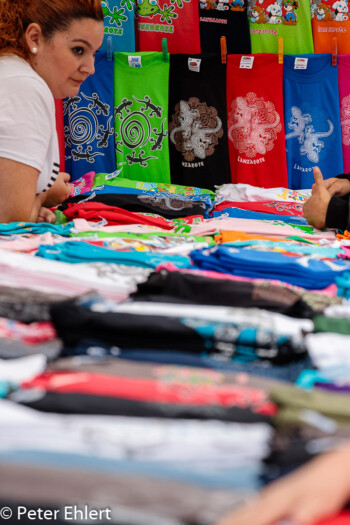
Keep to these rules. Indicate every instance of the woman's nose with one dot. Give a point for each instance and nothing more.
(89, 65)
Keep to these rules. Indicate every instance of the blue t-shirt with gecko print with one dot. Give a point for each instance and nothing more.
(89, 122)
(312, 118)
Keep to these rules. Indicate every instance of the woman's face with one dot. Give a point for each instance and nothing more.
(67, 59)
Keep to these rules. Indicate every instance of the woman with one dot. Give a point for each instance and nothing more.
(47, 49)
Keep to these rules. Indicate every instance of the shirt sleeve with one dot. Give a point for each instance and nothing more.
(338, 213)
(26, 112)
(343, 176)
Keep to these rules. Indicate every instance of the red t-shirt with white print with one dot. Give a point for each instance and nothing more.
(255, 120)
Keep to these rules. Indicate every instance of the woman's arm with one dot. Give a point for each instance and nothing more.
(18, 200)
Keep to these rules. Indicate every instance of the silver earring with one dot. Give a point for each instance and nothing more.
(34, 50)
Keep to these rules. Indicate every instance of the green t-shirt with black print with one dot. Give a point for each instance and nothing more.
(141, 116)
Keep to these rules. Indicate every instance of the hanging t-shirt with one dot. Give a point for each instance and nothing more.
(119, 25)
(289, 19)
(198, 142)
(178, 22)
(224, 18)
(255, 120)
(330, 19)
(312, 118)
(344, 101)
(141, 116)
(89, 126)
(60, 131)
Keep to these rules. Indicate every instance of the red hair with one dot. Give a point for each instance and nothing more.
(51, 15)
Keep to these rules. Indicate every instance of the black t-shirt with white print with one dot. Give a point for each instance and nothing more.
(198, 143)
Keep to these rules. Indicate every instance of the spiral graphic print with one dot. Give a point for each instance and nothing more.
(135, 130)
(83, 126)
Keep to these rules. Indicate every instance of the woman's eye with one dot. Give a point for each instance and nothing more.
(78, 50)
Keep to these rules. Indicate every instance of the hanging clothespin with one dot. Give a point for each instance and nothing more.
(109, 49)
(165, 49)
(334, 50)
(280, 50)
(223, 47)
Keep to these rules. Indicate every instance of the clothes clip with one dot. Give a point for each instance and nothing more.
(280, 50)
(165, 49)
(334, 51)
(109, 49)
(223, 47)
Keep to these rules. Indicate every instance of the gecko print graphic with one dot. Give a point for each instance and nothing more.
(345, 120)
(119, 26)
(306, 135)
(288, 208)
(116, 16)
(152, 8)
(89, 126)
(253, 125)
(140, 130)
(169, 202)
(326, 11)
(195, 129)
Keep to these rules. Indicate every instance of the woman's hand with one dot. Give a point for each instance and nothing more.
(337, 187)
(315, 208)
(46, 215)
(59, 191)
(313, 492)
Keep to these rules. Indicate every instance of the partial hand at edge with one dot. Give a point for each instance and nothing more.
(313, 492)
(315, 208)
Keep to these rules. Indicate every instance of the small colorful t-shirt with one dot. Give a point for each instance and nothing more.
(88, 121)
(112, 179)
(119, 25)
(312, 118)
(330, 19)
(289, 19)
(141, 116)
(198, 141)
(344, 100)
(255, 120)
(226, 18)
(177, 21)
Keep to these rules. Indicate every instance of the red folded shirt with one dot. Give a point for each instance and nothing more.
(95, 211)
(153, 390)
